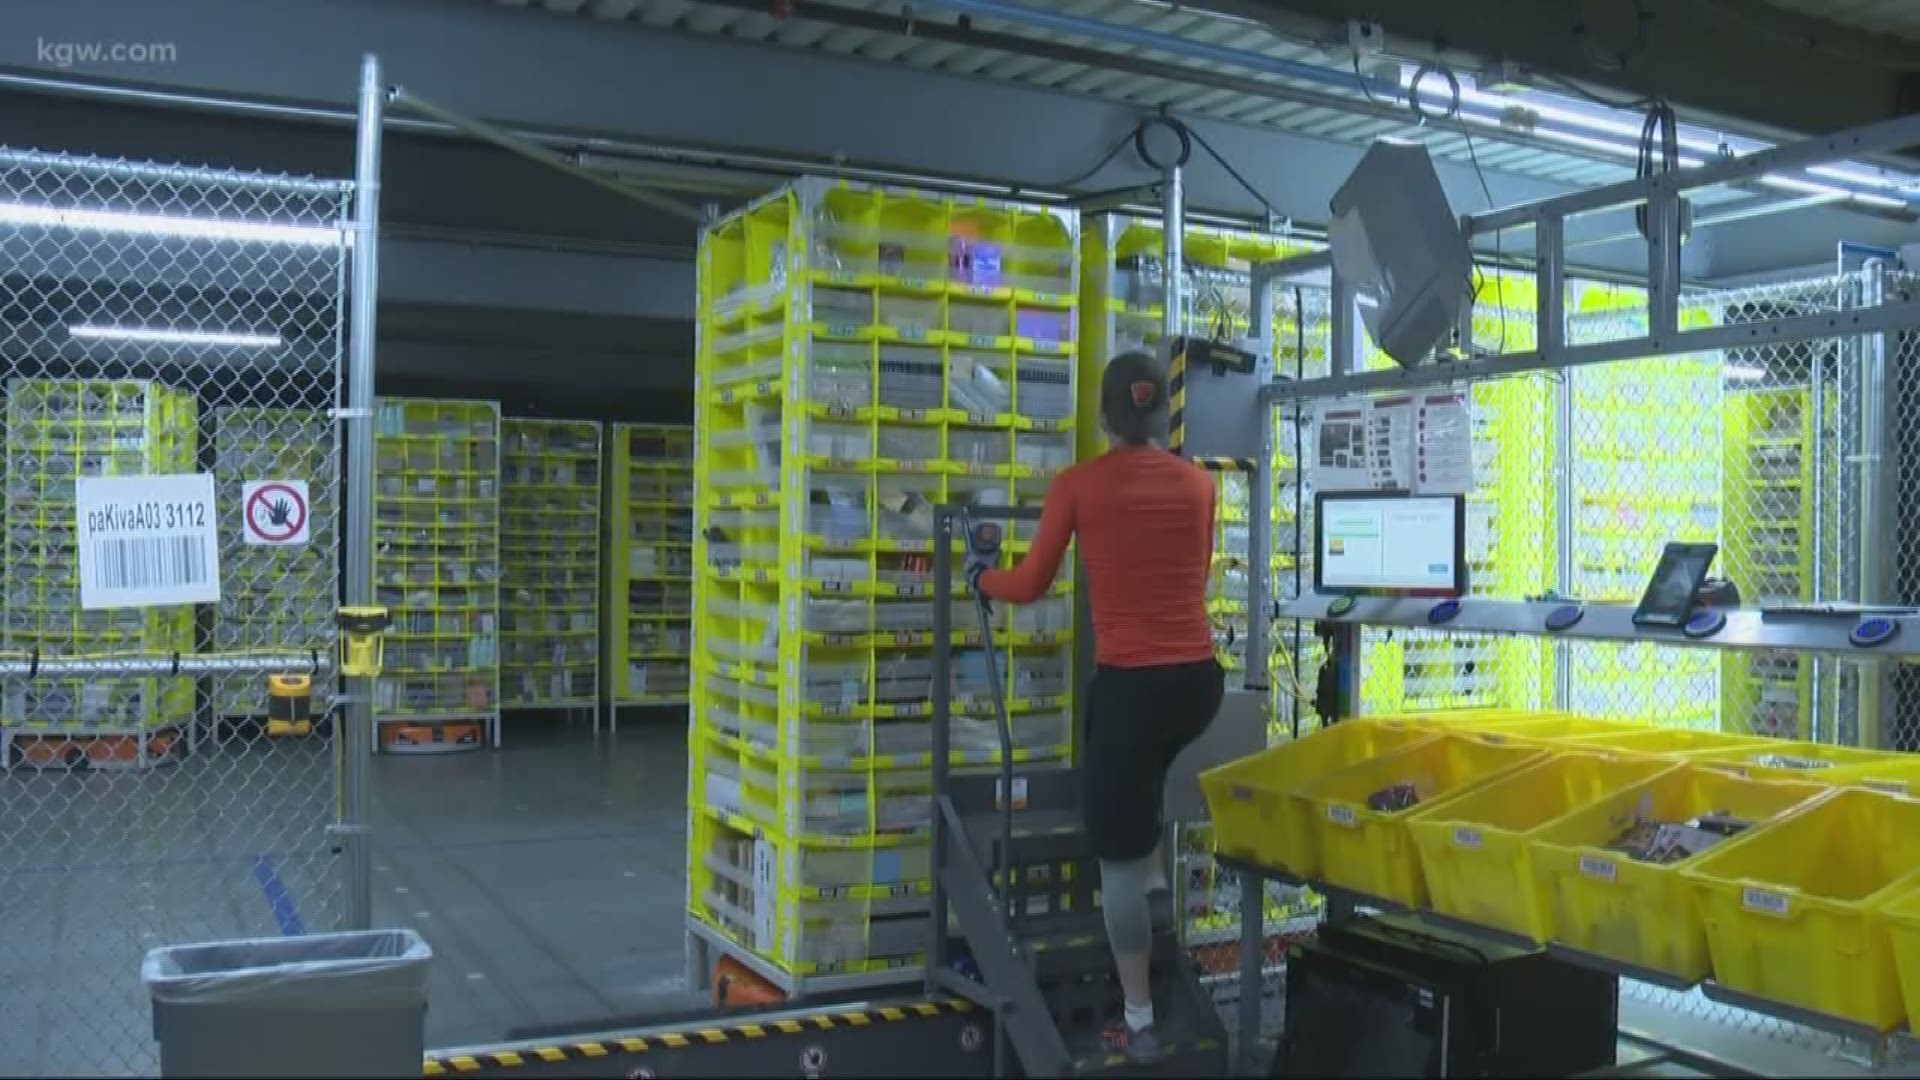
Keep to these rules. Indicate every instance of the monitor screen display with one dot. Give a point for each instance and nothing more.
(1390, 545)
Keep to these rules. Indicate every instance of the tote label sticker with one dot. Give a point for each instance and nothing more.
(1594, 866)
(1763, 900)
(1341, 814)
(1467, 836)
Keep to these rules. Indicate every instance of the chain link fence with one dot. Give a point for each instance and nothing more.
(161, 320)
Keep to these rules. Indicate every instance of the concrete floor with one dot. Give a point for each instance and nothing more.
(547, 876)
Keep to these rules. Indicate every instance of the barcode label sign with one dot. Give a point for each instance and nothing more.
(146, 541)
(1765, 901)
(1342, 815)
(1600, 869)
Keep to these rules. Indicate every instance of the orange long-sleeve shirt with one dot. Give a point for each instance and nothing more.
(1144, 518)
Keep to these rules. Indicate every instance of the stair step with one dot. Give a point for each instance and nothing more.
(1186, 1054)
(1038, 836)
(1066, 944)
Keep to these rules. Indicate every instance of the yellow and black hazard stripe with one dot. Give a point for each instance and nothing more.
(457, 1064)
(1177, 396)
(1227, 464)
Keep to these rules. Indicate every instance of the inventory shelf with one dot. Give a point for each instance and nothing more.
(57, 430)
(866, 354)
(649, 573)
(550, 550)
(437, 566)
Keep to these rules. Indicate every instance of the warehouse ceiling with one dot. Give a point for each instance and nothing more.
(1898, 17)
(1241, 68)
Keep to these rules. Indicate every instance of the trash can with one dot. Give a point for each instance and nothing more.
(347, 1004)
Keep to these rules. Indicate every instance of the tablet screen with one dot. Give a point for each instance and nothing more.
(1668, 600)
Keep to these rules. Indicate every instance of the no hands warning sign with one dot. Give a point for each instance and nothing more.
(274, 512)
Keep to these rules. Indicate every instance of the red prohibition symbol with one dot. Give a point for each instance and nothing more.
(276, 513)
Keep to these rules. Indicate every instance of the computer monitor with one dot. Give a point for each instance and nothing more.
(1374, 543)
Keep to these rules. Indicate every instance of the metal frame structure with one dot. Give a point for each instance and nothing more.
(1662, 196)
(1868, 579)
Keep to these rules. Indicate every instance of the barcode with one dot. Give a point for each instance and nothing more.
(155, 562)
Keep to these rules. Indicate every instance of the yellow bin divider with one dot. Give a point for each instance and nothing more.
(1367, 850)
(1473, 720)
(1255, 813)
(1825, 763)
(1603, 902)
(1473, 849)
(1554, 729)
(1790, 910)
(1641, 739)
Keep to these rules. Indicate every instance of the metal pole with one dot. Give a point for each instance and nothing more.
(356, 733)
(937, 960)
(1876, 540)
(1253, 955)
(1260, 496)
(169, 665)
(1173, 248)
(1563, 540)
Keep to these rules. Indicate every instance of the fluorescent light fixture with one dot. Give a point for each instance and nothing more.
(1570, 115)
(195, 228)
(1795, 183)
(161, 335)
(1743, 371)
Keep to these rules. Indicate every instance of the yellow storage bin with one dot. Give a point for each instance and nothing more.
(1367, 850)
(1790, 910)
(1473, 849)
(1255, 814)
(1650, 740)
(1901, 914)
(1603, 902)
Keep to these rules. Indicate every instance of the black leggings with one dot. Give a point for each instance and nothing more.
(1138, 721)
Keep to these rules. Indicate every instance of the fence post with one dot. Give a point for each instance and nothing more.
(356, 734)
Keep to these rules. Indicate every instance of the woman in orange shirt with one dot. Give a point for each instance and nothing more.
(1144, 520)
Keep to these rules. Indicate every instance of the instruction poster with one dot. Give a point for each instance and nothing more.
(1420, 442)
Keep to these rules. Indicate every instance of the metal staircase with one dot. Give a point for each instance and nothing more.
(1016, 890)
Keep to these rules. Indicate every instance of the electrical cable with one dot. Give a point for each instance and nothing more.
(1231, 171)
(1105, 160)
(1452, 112)
(1180, 131)
(1577, 90)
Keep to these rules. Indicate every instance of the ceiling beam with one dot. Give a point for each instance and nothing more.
(1773, 72)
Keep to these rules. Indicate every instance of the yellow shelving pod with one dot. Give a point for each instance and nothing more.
(436, 566)
(56, 431)
(550, 560)
(865, 354)
(649, 600)
(1768, 546)
(274, 596)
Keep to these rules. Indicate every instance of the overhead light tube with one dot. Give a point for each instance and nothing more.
(192, 228)
(163, 336)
